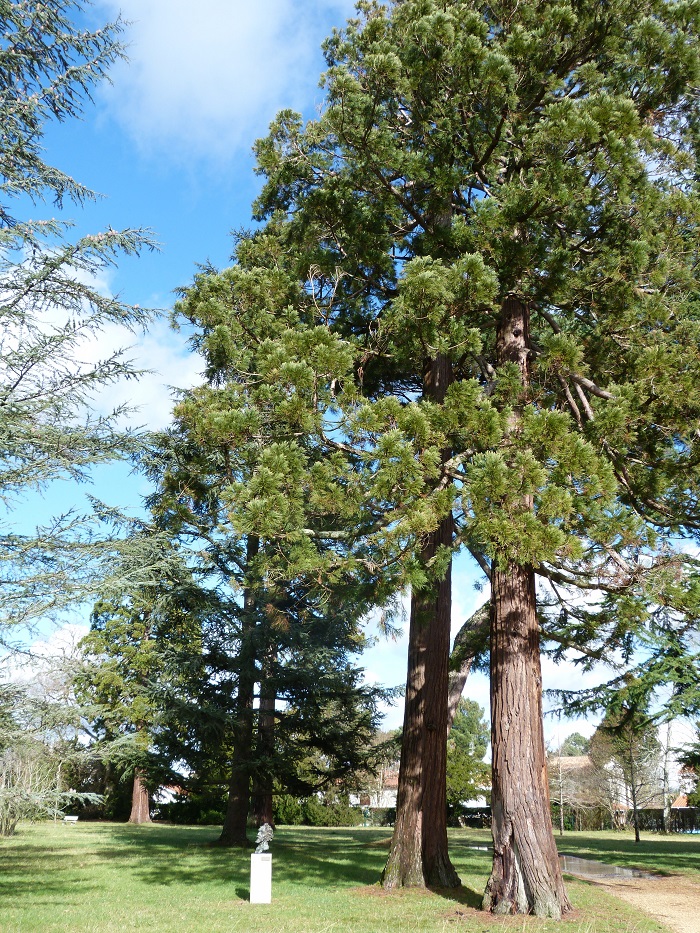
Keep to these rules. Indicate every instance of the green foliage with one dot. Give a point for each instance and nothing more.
(328, 809)
(275, 523)
(470, 732)
(574, 744)
(466, 156)
(128, 662)
(38, 750)
(288, 810)
(332, 810)
(50, 305)
(468, 776)
(382, 816)
(195, 808)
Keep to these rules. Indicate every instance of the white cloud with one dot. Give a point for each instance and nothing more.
(161, 354)
(207, 78)
(46, 653)
(161, 351)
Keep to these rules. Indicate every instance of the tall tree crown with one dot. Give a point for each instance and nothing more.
(470, 155)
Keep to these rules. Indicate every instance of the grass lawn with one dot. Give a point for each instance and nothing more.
(114, 877)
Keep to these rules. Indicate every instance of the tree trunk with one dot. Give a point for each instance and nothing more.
(437, 868)
(666, 783)
(418, 853)
(140, 812)
(234, 832)
(262, 786)
(526, 876)
(405, 863)
(633, 791)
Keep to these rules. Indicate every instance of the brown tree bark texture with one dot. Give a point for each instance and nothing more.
(526, 875)
(418, 853)
(262, 786)
(140, 811)
(437, 868)
(404, 866)
(233, 832)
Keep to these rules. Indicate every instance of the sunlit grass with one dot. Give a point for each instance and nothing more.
(109, 877)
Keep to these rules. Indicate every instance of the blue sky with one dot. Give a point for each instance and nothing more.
(168, 144)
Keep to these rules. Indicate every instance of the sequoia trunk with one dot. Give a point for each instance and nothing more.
(405, 863)
(262, 787)
(233, 832)
(437, 868)
(140, 811)
(418, 853)
(526, 875)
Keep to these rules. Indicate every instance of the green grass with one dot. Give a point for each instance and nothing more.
(110, 877)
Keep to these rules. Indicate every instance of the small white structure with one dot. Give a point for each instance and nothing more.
(381, 793)
(261, 878)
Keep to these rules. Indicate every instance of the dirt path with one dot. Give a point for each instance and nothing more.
(674, 901)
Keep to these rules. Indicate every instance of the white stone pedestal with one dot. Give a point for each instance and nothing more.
(261, 878)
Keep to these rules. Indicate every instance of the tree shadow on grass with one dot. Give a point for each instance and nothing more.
(167, 856)
(290, 866)
(321, 858)
(21, 865)
(464, 895)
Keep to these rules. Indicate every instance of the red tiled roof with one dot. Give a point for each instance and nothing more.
(569, 762)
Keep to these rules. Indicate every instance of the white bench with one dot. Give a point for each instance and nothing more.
(70, 819)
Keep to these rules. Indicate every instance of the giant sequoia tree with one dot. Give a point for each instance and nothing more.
(499, 204)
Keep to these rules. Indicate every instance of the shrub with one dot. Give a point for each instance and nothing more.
(288, 810)
(335, 811)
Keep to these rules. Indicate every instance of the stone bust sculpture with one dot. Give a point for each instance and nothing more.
(265, 835)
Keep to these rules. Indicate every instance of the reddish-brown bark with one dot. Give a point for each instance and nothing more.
(437, 868)
(233, 832)
(405, 863)
(262, 786)
(526, 875)
(140, 810)
(418, 853)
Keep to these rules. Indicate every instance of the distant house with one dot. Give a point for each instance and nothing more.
(581, 790)
(167, 793)
(382, 794)
(569, 764)
(680, 803)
